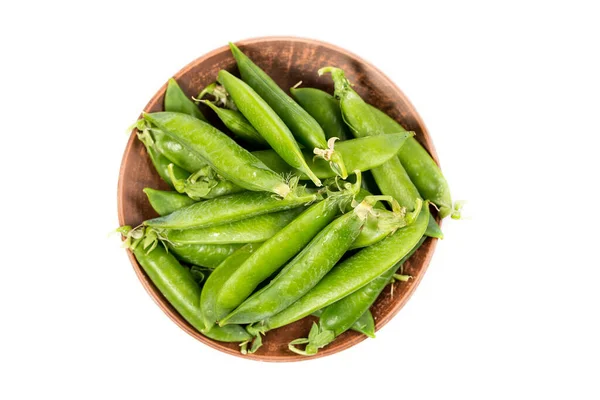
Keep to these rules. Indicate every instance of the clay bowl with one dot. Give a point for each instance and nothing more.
(288, 60)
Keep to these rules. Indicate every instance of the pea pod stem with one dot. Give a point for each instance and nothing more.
(362, 154)
(301, 123)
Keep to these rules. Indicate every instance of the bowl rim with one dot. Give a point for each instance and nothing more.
(163, 303)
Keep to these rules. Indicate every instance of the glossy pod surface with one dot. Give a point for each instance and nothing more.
(287, 61)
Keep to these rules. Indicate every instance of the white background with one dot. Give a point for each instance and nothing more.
(509, 306)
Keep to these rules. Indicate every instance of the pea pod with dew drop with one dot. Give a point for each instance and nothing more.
(352, 274)
(420, 167)
(266, 122)
(205, 255)
(165, 202)
(305, 270)
(279, 249)
(210, 311)
(177, 285)
(344, 313)
(229, 208)
(221, 152)
(302, 125)
(391, 177)
(360, 154)
(250, 230)
(325, 109)
(177, 101)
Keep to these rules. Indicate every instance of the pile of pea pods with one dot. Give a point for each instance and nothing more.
(309, 205)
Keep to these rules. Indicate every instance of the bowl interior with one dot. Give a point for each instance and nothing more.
(287, 61)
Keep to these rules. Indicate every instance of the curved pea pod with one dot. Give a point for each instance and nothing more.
(279, 249)
(420, 167)
(382, 223)
(177, 101)
(229, 208)
(305, 270)
(266, 122)
(365, 324)
(210, 312)
(165, 202)
(343, 314)
(433, 229)
(205, 255)
(178, 286)
(251, 230)
(300, 123)
(353, 273)
(359, 154)
(391, 177)
(325, 109)
(176, 152)
(221, 152)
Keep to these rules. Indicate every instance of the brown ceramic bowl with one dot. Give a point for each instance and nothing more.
(288, 60)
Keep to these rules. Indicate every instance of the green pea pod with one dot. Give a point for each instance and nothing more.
(303, 126)
(266, 122)
(359, 154)
(177, 285)
(365, 324)
(325, 109)
(251, 230)
(160, 162)
(353, 273)
(205, 255)
(341, 315)
(420, 167)
(391, 177)
(279, 249)
(237, 124)
(229, 208)
(165, 202)
(305, 270)
(177, 101)
(210, 312)
(433, 229)
(176, 152)
(221, 152)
